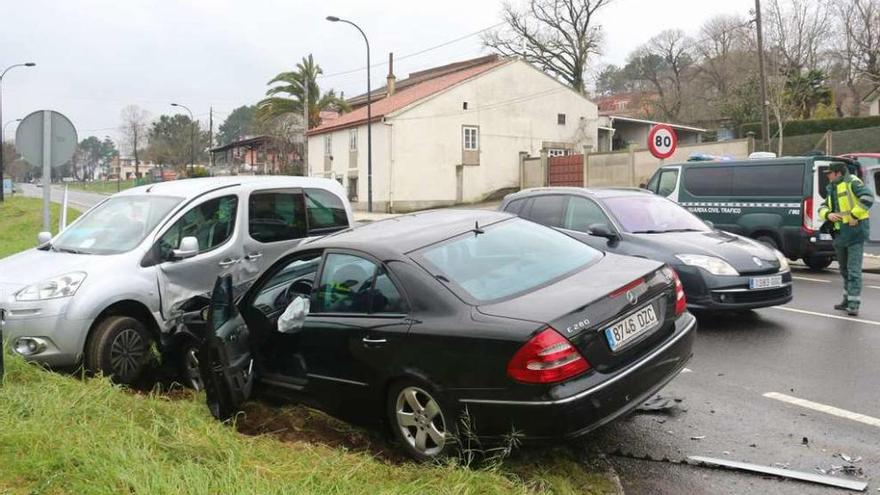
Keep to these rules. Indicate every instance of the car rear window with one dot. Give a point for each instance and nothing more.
(508, 258)
(746, 180)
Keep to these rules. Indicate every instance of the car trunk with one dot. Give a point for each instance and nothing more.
(582, 306)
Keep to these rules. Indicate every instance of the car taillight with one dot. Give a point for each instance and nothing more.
(808, 216)
(546, 358)
(680, 299)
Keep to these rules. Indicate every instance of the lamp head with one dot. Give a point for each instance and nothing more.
(332, 18)
(29, 64)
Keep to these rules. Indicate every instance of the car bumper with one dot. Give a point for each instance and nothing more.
(595, 403)
(57, 340)
(706, 292)
(811, 244)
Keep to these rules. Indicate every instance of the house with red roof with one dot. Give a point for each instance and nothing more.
(451, 134)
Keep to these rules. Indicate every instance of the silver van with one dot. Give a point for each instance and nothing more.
(106, 292)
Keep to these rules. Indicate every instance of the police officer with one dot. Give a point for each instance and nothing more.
(846, 205)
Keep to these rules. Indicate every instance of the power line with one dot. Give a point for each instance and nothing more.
(413, 54)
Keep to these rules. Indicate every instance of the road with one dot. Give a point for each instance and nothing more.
(81, 200)
(804, 350)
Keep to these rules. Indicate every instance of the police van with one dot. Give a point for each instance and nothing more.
(773, 200)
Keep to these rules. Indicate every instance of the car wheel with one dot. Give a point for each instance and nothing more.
(419, 421)
(188, 358)
(766, 239)
(120, 348)
(817, 263)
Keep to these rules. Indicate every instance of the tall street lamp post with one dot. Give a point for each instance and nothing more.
(192, 139)
(27, 64)
(332, 18)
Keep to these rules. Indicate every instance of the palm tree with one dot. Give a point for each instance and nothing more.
(276, 105)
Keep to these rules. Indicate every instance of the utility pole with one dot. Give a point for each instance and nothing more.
(211, 136)
(765, 120)
(307, 171)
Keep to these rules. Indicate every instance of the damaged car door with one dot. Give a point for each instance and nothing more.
(226, 358)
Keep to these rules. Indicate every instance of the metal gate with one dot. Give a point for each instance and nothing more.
(565, 171)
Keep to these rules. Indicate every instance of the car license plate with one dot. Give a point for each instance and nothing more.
(626, 331)
(765, 282)
(824, 237)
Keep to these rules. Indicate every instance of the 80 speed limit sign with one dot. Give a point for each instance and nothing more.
(662, 141)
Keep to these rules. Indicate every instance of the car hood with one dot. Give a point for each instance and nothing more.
(35, 265)
(742, 253)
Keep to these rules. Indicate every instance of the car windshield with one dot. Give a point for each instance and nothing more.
(116, 225)
(649, 214)
(508, 258)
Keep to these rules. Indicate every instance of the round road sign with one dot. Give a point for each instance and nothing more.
(31, 139)
(662, 141)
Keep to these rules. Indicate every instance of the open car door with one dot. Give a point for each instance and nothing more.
(226, 359)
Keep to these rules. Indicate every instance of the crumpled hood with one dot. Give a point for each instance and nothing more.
(34, 265)
(739, 251)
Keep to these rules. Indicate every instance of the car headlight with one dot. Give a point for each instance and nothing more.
(783, 261)
(53, 288)
(713, 265)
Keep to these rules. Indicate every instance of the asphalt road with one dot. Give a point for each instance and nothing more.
(804, 350)
(81, 200)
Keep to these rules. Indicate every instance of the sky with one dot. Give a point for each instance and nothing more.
(95, 57)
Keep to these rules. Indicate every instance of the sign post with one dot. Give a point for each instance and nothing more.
(46, 139)
(662, 141)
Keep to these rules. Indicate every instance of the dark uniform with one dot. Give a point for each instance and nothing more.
(848, 197)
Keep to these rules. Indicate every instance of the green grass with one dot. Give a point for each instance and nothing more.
(103, 187)
(61, 434)
(21, 219)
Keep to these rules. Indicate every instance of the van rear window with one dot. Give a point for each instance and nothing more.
(746, 181)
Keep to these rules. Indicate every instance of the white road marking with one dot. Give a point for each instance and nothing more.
(874, 287)
(834, 411)
(686, 370)
(823, 315)
(808, 279)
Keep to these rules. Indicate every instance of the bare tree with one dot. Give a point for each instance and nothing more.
(665, 61)
(134, 132)
(721, 44)
(798, 34)
(856, 50)
(559, 36)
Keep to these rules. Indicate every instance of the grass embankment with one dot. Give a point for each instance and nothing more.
(21, 219)
(103, 187)
(60, 434)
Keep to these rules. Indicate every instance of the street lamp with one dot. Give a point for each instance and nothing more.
(2, 139)
(333, 18)
(192, 139)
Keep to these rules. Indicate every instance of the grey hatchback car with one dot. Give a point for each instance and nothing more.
(109, 289)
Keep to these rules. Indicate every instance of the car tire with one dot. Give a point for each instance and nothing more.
(766, 239)
(817, 263)
(420, 421)
(189, 373)
(120, 348)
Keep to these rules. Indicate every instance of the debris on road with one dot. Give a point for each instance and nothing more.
(805, 441)
(699, 437)
(821, 479)
(661, 404)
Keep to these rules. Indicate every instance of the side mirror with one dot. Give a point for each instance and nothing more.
(709, 223)
(189, 247)
(291, 321)
(43, 238)
(603, 230)
(222, 303)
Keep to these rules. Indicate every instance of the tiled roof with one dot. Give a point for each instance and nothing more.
(405, 97)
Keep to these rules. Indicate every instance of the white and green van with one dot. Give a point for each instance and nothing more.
(772, 200)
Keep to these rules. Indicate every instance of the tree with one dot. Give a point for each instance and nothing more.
(798, 34)
(170, 141)
(807, 90)
(240, 123)
(856, 49)
(559, 36)
(134, 132)
(288, 97)
(92, 154)
(665, 61)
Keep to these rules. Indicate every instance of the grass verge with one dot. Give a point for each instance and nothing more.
(103, 186)
(21, 219)
(59, 434)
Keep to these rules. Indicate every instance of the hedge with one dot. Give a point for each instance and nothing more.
(816, 126)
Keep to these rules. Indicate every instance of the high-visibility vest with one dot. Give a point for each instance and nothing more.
(848, 204)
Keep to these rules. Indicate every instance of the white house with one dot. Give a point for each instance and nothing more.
(873, 101)
(451, 134)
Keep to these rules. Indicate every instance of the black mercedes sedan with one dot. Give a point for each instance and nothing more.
(420, 321)
(720, 271)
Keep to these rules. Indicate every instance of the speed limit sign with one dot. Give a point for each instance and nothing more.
(662, 141)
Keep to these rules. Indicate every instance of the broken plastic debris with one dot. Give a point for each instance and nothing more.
(781, 472)
(699, 437)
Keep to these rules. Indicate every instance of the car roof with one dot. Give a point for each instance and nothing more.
(191, 188)
(406, 233)
(596, 192)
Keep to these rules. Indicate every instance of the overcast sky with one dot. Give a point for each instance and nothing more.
(96, 56)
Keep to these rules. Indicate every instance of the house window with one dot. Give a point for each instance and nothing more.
(471, 138)
(328, 144)
(556, 152)
(560, 118)
(353, 140)
(352, 189)
(464, 105)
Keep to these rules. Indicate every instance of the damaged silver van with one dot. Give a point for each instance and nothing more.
(107, 291)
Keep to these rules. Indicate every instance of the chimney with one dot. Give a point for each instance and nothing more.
(391, 78)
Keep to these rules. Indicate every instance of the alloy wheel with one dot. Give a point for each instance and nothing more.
(420, 421)
(191, 369)
(127, 353)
